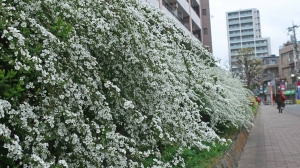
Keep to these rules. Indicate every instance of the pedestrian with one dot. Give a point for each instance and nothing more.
(280, 98)
(258, 100)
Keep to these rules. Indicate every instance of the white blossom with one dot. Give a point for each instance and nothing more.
(102, 80)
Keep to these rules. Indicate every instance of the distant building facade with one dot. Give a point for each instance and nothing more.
(280, 71)
(193, 16)
(287, 74)
(244, 31)
(270, 74)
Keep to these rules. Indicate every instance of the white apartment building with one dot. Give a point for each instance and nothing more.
(243, 31)
(187, 14)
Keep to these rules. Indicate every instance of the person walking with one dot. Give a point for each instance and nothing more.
(280, 98)
(258, 100)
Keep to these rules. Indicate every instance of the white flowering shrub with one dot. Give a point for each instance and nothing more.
(106, 84)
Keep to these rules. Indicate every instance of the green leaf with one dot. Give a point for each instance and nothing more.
(11, 74)
(2, 73)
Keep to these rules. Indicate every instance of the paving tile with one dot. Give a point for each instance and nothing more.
(274, 141)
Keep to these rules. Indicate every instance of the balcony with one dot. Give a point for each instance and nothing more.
(153, 2)
(168, 11)
(261, 44)
(271, 65)
(235, 41)
(195, 2)
(233, 22)
(248, 45)
(234, 28)
(247, 21)
(234, 34)
(185, 5)
(196, 18)
(247, 33)
(234, 54)
(247, 39)
(233, 16)
(267, 77)
(236, 47)
(261, 51)
(245, 14)
(247, 27)
(233, 60)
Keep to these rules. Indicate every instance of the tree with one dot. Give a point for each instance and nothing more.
(247, 67)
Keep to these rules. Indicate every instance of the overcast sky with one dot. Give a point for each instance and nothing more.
(275, 17)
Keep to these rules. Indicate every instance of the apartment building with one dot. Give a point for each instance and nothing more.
(288, 77)
(244, 31)
(270, 74)
(281, 73)
(193, 16)
(270, 68)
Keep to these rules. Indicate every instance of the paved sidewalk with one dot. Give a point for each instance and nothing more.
(274, 140)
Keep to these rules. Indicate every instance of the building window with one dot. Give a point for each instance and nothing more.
(205, 31)
(203, 11)
(273, 62)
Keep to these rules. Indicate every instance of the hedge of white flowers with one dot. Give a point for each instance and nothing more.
(106, 83)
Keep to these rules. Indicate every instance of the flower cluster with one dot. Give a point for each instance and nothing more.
(106, 84)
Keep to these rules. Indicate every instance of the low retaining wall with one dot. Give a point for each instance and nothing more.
(232, 157)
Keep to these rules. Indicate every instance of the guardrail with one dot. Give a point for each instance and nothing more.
(270, 102)
(289, 102)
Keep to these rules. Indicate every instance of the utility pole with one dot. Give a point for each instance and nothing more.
(271, 89)
(275, 86)
(296, 53)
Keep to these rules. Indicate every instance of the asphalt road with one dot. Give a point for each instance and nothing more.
(295, 109)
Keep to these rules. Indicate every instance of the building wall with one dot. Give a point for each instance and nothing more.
(243, 31)
(287, 64)
(186, 14)
(270, 68)
(206, 25)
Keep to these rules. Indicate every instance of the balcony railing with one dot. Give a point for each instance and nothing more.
(246, 14)
(234, 34)
(247, 33)
(247, 27)
(261, 44)
(235, 47)
(233, 22)
(174, 14)
(234, 28)
(247, 39)
(261, 51)
(234, 41)
(267, 77)
(246, 21)
(267, 66)
(272, 63)
(248, 45)
(233, 16)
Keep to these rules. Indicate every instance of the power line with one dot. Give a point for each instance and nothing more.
(284, 32)
(279, 41)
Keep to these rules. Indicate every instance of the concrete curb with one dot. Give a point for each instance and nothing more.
(232, 157)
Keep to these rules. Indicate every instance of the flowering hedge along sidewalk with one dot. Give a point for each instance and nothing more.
(98, 83)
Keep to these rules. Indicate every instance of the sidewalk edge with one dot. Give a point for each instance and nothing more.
(232, 157)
